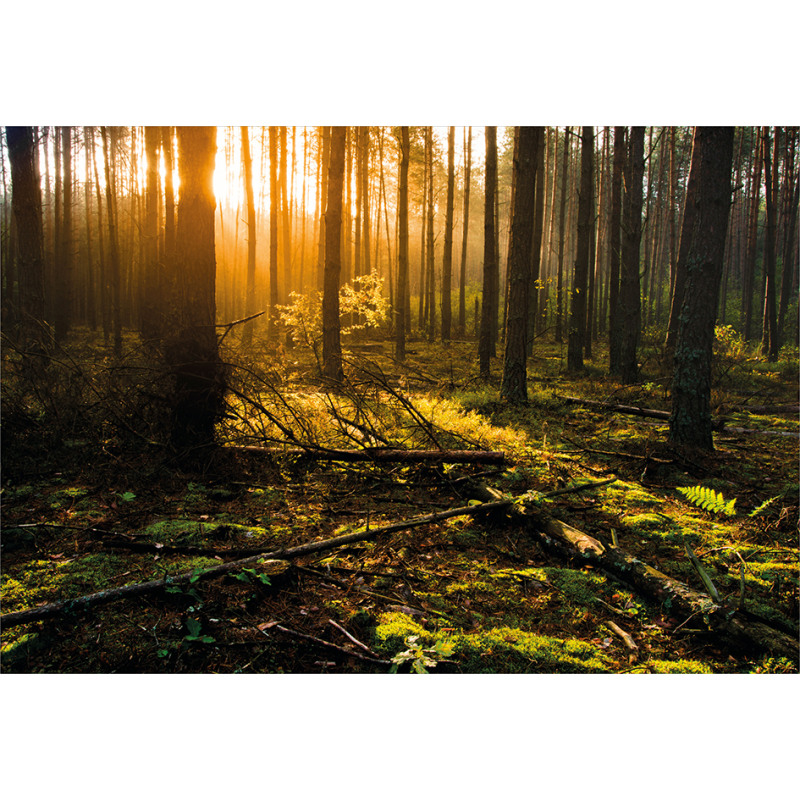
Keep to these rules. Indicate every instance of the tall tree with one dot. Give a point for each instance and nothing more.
(462, 285)
(577, 320)
(274, 207)
(447, 260)
(150, 310)
(615, 253)
(26, 201)
(64, 278)
(536, 243)
(331, 326)
(562, 208)
(630, 308)
(109, 157)
(769, 336)
(431, 272)
(712, 159)
(402, 235)
(190, 343)
(250, 286)
(491, 277)
(514, 387)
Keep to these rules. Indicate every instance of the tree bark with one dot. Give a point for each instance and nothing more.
(64, 277)
(26, 201)
(401, 296)
(190, 345)
(615, 254)
(491, 277)
(704, 232)
(447, 260)
(577, 323)
(150, 304)
(769, 335)
(331, 326)
(462, 286)
(630, 304)
(250, 285)
(514, 388)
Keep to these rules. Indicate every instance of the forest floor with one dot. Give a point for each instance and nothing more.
(91, 502)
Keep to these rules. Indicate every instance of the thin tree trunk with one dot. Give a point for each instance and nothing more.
(561, 237)
(331, 328)
(402, 267)
(769, 335)
(273, 234)
(64, 278)
(615, 255)
(250, 286)
(109, 156)
(447, 260)
(490, 270)
(630, 290)
(577, 323)
(462, 287)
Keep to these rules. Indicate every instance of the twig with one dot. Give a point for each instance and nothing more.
(331, 645)
(353, 639)
(630, 644)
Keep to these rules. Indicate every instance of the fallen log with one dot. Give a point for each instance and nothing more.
(381, 454)
(654, 413)
(730, 624)
(274, 559)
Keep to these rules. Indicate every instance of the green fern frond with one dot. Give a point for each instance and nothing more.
(756, 511)
(708, 500)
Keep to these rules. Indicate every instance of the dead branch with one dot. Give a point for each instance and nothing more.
(579, 488)
(330, 645)
(136, 589)
(630, 644)
(717, 424)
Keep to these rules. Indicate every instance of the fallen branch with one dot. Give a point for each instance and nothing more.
(717, 424)
(729, 624)
(630, 644)
(382, 454)
(579, 488)
(136, 589)
(330, 645)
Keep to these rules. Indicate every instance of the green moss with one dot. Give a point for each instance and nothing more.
(682, 667)
(191, 532)
(392, 629)
(507, 650)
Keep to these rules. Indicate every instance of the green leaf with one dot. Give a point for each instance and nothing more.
(193, 626)
(195, 575)
(127, 497)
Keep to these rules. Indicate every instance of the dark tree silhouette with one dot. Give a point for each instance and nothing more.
(712, 158)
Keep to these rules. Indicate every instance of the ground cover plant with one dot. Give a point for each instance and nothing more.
(93, 502)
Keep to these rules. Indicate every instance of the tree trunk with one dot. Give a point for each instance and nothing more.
(331, 326)
(26, 201)
(113, 234)
(491, 277)
(536, 243)
(273, 234)
(402, 267)
(462, 286)
(514, 387)
(64, 278)
(447, 260)
(150, 305)
(190, 345)
(286, 220)
(250, 285)
(629, 289)
(615, 254)
(712, 158)
(562, 218)
(429, 248)
(769, 335)
(577, 322)
(791, 194)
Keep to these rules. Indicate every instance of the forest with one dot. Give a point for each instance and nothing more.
(411, 399)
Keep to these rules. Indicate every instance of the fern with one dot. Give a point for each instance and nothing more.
(708, 500)
(755, 512)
